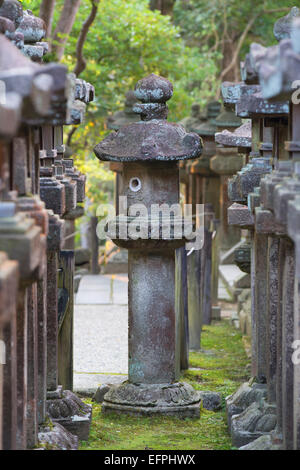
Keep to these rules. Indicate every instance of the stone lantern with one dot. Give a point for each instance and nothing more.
(149, 151)
(225, 163)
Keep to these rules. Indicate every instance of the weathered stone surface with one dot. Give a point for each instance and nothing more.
(80, 179)
(32, 28)
(269, 182)
(34, 53)
(154, 139)
(256, 420)
(211, 400)
(254, 105)
(100, 393)
(283, 27)
(177, 399)
(250, 68)
(12, 9)
(265, 222)
(243, 398)
(241, 137)
(261, 443)
(70, 191)
(35, 95)
(18, 74)
(72, 413)
(20, 238)
(6, 25)
(240, 215)
(55, 234)
(10, 114)
(281, 67)
(153, 89)
(75, 213)
(231, 92)
(248, 178)
(53, 436)
(77, 112)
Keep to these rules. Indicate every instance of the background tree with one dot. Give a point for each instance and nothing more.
(46, 13)
(64, 26)
(114, 43)
(164, 6)
(227, 27)
(81, 62)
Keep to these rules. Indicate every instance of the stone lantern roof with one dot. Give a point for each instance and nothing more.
(153, 138)
(241, 137)
(228, 119)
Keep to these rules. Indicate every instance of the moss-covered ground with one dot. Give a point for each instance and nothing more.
(221, 367)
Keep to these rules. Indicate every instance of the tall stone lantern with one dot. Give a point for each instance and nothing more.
(150, 150)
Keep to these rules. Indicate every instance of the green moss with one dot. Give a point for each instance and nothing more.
(220, 367)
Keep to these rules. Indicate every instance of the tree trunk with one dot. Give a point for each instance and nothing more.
(46, 13)
(64, 25)
(228, 52)
(81, 62)
(164, 6)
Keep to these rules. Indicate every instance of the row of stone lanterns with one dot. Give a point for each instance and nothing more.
(264, 414)
(39, 188)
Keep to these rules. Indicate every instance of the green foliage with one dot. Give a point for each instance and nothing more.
(126, 42)
(206, 24)
(221, 367)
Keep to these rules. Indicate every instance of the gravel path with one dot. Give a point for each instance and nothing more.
(100, 332)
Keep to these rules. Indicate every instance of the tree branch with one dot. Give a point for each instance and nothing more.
(81, 62)
(243, 37)
(276, 10)
(64, 26)
(70, 135)
(239, 46)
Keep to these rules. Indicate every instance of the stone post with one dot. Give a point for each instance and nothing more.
(181, 299)
(293, 231)
(20, 238)
(34, 208)
(8, 294)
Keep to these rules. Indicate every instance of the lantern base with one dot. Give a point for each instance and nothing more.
(178, 399)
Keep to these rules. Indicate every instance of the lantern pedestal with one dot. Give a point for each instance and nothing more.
(177, 399)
